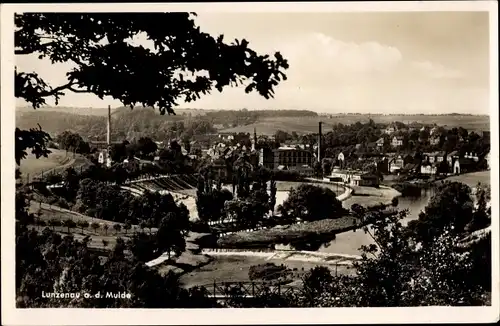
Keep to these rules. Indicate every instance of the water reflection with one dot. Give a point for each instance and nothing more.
(312, 243)
(350, 242)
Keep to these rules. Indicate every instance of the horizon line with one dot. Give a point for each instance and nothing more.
(241, 109)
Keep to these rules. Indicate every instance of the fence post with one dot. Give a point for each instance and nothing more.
(214, 288)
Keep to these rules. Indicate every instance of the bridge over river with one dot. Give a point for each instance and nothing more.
(248, 290)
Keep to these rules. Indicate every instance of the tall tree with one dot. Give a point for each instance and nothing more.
(310, 202)
(450, 207)
(107, 64)
(170, 235)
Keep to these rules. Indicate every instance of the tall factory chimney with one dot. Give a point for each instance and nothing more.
(254, 142)
(108, 135)
(319, 142)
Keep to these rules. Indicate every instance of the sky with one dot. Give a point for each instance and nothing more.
(371, 62)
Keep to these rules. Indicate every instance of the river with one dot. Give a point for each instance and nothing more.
(350, 242)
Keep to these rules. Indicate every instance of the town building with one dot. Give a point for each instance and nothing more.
(428, 168)
(463, 165)
(390, 129)
(397, 141)
(380, 143)
(397, 163)
(341, 159)
(452, 157)
(292, 157)
(286, 158)
(104, 154)
(434, 157)
(410, 168)
(382, 165)
(226, 136)
(471, 155)
(355, 178)
(435, 140)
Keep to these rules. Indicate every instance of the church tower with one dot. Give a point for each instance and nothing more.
(254, 140)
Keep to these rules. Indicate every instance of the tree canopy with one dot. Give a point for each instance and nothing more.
(104, 49)
(310, 203)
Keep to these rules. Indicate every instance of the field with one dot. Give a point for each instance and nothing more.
(49, 212)
(234, 268)
(99, 112)
(303, 125)
(58, 159)
(471, 179)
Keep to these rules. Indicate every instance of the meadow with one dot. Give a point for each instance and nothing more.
(57, 160)
(235, 268)
(471, 179)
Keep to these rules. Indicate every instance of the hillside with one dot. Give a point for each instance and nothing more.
(141, 121)
(301, 125)
(56, 161)
(99, 112)
(126, 123)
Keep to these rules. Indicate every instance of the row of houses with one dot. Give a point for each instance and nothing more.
(393, 128)
(434, 163)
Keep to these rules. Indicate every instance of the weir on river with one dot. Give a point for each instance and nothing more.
(350, 242)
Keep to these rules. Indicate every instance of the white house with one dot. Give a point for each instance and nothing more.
(487, 158)
(435, 157)
(428, 169)
(380, 142)
(390, 129)
(463, 165)
(355, 178)
(104, 158)
(397, 141)
(473, 156)
(452, 157)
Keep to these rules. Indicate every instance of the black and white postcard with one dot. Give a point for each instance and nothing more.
(206, 163)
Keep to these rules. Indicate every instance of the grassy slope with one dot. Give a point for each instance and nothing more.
(471, 179)
(56, 160)
(303, 125)
(100, 112)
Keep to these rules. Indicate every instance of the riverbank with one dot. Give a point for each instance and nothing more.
(370, 196)
(191, 259)
(415, 186)
(316, 232)
(322, 230)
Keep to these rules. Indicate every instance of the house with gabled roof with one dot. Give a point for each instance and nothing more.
(463, 165)
(397, 141)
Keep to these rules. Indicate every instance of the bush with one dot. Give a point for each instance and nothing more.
(62, 203)
(199, 227)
